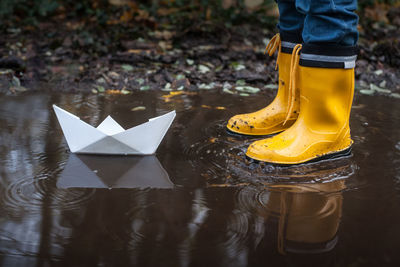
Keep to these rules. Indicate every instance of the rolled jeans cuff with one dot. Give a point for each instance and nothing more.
(328, 56)
(289, 40)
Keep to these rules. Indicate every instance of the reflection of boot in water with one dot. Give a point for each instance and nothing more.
(309, 216)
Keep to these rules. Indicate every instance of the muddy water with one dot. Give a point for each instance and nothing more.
(198, 202)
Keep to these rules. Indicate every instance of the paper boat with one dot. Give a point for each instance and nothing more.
(110, 138)
(89, 171)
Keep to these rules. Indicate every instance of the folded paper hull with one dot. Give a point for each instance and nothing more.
(110, 138)
(114, 147)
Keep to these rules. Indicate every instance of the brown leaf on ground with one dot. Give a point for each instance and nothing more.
(213, 139)
(119, 2)
(166, 11)
(378, 12)
(127, 16)
(113, 92)
(252, 4)
(166, 35)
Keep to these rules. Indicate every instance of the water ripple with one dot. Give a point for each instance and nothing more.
(222, 161)
(33, 195)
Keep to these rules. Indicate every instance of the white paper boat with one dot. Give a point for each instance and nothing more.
(89, 171)
(110, 138)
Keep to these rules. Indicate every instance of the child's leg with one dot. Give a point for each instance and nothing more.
(326, 83)
(291, 21)
(329, 21)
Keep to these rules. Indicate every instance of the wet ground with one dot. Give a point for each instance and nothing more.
(198, 202)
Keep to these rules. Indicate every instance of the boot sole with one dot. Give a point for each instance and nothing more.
(340, 154)
(231, 133)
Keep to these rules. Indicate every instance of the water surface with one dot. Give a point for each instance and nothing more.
(198, 202)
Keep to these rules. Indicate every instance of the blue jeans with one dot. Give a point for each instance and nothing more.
(320, 22)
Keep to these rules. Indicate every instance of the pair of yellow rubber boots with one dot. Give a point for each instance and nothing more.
(311, 110)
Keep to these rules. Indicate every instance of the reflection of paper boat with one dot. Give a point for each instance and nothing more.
(87, 171)
(110, 138)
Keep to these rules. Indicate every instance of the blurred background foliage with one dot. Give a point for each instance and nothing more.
(178, 12)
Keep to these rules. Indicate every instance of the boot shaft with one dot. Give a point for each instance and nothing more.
(284, 78)
(326, 96)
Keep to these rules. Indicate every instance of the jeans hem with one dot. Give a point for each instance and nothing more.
(292, 37)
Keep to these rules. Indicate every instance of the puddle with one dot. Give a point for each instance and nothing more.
(90, 171)
(198, 201)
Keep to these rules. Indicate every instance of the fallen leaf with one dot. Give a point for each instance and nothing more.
(162, 11)
(241, 82)
(16, 82)
(164, 34)
(138, 51)
(119, 2)
(226, 85)
(271, 86)
(16, 89)
(213, 139)
(145, 88)
(101, 80)
(125, 92)
(378, 12)
(113, 74)
(395, 95)
(203, 69)
(140, 81)
(167, 98)
(367, 92)
(139, 108)
(206, 106)
(127, 67)
(165, 45)
(360, 106)
(251, 4)
(176, 93)
(226, 90)
(207, 86)
(378, 89)
(167, 87)
(113, 92)
(172, 94)
(5, 72)
(237, 66)
(219, 68)
(180, 77)
(100, 88)
(127, 16)
(248, 89)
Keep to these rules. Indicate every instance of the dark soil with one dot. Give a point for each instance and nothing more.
(78, 55)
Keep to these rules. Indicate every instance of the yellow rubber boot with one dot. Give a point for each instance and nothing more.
(270, 119)
(322, 128)
(309, 215)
